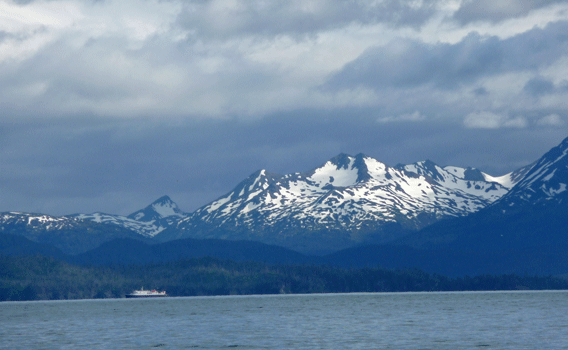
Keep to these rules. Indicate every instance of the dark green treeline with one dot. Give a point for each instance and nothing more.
(41, 278)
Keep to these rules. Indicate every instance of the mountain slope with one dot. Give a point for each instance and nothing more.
(15, 245)
(128, 251)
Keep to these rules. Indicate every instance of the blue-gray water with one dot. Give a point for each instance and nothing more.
(480, 320)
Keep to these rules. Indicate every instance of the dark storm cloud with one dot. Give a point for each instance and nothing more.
(498, 10)
(68, 166)
(218, 19)
(407, 63)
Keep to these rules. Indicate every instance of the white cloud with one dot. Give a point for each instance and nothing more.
(34, 26)
(408, 117)
(551, 120)
(251, 58)
(516, 122)
(490, 120)
(500, 10)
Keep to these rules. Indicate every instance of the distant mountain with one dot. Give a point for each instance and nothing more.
(539, 260)
(346, 201)
(543, 185)
(147, 222)
(15, 245)
(128, 251)
(70, 234)
(78, 233)
(162, 208)
(531, 214)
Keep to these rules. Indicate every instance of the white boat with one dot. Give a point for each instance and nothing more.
(146, 294)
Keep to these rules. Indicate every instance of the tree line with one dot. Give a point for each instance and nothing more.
(45, 278)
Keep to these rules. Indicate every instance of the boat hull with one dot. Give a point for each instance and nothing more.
(135, 296)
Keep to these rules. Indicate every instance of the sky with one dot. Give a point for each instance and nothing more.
(107, 105)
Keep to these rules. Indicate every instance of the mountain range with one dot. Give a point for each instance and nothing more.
(351, 206)
(347, 200)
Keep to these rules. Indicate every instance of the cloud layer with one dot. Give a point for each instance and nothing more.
(108, 104)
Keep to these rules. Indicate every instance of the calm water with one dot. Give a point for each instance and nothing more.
(485, 320)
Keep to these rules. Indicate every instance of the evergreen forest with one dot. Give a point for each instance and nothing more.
(47, 278)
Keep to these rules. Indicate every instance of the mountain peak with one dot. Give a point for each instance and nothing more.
(162, 207)
(342, 161)
(163, 200)
(546, 180)
(346, 163)
(426, 168)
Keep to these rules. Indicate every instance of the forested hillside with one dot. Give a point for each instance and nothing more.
(41, 278)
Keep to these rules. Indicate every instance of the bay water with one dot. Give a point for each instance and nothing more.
(455, 320)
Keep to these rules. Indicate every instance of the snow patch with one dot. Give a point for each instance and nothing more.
(166, 209)
(553, 192)
(505, 180)
(456, 171)
(218, 203)
(341, 177)
(262, 172)
(549, 176)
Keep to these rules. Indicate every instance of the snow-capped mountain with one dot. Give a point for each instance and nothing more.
(468, 174)
(162, 208)
(143, 228)
(37, 221)
(147, 222)
(545, 182)
(527, 225)
(71, 234)
(355, 195)
(79, 232)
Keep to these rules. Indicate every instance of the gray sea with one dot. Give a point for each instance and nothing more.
(475, 320)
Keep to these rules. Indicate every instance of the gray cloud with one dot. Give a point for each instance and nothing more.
(407, 63)
(293, 17)
(483, 81)
(498, 10)
(481, 91)
(539, 86)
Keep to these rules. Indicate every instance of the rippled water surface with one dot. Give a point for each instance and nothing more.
(484, 320)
